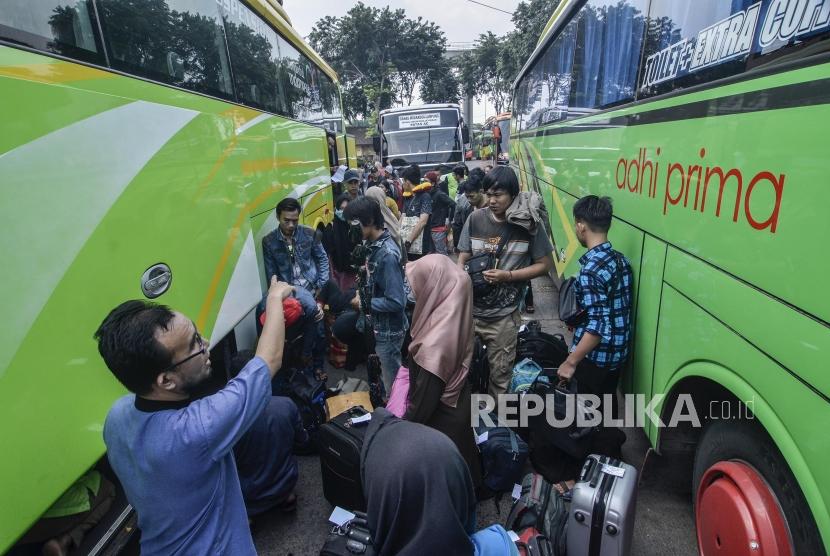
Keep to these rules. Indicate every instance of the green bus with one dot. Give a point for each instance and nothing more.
(150, 140)
(703, 121)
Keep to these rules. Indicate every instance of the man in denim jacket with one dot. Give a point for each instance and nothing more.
(386, 284)
(293, 255)
(291, 252)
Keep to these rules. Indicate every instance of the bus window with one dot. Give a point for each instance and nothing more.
(549, 81)
(60, 26)
(689, 44)
(608, 46)
(254, 51)
(179, 42)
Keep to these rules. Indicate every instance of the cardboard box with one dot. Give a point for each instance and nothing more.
(338, 404)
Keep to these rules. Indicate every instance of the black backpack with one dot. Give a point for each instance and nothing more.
(548, 350)
(503, 456)
(479, 375)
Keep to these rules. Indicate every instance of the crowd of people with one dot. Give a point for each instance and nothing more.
(197, 465)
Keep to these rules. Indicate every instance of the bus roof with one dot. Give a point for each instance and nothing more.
(559, 16)
(419, 107)
(277, 16)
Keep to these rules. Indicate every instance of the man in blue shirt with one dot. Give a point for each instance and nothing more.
(388, 299)
(601, 342)
(173, 454)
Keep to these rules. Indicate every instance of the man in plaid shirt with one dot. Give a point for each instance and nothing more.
(601, 343)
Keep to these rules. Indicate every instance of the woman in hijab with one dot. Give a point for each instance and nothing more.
(419, 496)
(392, 223)
(440, 353)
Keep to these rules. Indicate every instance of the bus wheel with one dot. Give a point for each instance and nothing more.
(747, 500)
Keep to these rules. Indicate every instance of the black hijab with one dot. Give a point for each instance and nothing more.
(418, 490)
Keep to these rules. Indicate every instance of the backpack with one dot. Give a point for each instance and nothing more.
(571, 311)
(524, 373)
(503, 456)
(479, 375)
(547, 350)
(308, 394)
(542, 507)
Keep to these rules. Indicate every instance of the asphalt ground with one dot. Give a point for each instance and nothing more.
(664, 524)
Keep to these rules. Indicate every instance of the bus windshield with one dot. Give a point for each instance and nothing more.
(422, 141)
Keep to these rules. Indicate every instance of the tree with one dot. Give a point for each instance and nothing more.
(490, 69)
(440, 85)
(380, 55)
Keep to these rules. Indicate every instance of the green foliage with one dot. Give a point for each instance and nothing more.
(491, 67)
(380, 55)
(439, 85)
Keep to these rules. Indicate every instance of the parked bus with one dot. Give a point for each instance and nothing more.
(503, 122)
(431, 135)
(142, 153)
(703, 121)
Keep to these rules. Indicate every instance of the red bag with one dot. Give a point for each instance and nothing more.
(532, 543)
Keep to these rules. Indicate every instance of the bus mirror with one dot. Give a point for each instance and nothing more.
(376, 144)
(465, 133)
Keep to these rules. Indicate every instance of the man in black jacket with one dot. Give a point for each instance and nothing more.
(442, 208)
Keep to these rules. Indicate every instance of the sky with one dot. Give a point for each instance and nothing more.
(462, 21)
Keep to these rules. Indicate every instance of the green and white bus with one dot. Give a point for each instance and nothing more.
(143, 147)
(706, 121)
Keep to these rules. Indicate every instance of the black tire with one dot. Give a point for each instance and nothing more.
(746, 441)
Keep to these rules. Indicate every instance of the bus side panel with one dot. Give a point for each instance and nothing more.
(351, 145)
(725, 188)
(795, 417)
(796, 341)
(646, 318)
(341, 150)
(187, 182)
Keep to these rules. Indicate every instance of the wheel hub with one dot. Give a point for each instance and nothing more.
(737, 514)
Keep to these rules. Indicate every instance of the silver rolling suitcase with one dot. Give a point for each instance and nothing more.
(601, 519)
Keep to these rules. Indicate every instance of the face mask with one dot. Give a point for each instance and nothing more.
(339, 214)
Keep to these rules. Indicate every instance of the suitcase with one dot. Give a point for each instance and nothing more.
(339, 444)
(601, 520)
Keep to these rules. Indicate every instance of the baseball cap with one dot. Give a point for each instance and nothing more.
(350, 175)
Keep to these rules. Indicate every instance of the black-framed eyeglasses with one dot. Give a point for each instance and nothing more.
(202, 350)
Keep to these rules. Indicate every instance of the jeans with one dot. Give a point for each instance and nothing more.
(439, 242)
(388, 348)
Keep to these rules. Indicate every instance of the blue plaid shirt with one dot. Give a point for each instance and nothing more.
(605, 291)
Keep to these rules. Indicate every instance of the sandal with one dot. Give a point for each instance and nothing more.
(530, 309)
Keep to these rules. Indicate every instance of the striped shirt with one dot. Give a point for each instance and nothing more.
(482, 233)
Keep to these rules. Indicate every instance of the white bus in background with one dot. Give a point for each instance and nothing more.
(433, 136)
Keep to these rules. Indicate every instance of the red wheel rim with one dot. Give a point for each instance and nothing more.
(737, 514)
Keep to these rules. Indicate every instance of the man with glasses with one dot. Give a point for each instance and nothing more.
(519, 256)
(172, 452)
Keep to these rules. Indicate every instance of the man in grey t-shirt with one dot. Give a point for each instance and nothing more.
(525, 256)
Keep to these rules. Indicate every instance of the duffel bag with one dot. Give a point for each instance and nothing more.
(573, 438)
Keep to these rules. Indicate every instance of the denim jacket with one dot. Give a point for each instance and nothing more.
(386, 284)
(314, 263)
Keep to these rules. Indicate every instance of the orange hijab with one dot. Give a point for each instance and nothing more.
(442, 324)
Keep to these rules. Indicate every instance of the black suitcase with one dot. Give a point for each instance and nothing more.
(339, 444)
